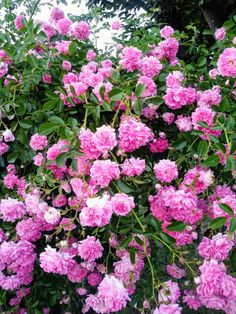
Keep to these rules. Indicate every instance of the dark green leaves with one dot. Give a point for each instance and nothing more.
(217, 223)
(176, 226)
(226, 208)
(140, 88)
(116, 94)
(212, 161)
(202, 148)
(138, 107)
(47, 128)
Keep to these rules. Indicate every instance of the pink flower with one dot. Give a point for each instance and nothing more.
(168, 309)
(226, 64)
(150, 86)
(52, 215)
(48, 30)
(28, 230)
(169, 293)
(62, 146)
(11, 180)
(184, 124)
(150, 112)
(8, 136)
(116, 25)
(105, 139)
(159, 145)
(63, 46)
(112, 296)
(3, 69)
(166, 31)
(81, 30)
(174, 271)
(150, 66)
(90, 249)
(217, 248)
(130, 58)
(64, 26)
(174, 79)
(38, 159)
(206, 115)
(11, 209)
(56, 14)
(168, 49)
(191, 299)
(97, 213)
(94, 279)
(133, 134)
(67, 224)
(133, 167)
(19, 22)
(47, 78)
(220, 33)
(66, 65)
(103, 172)
(168, 117)
(166, 170)
(77, 273)
(38, 142)
(52, 261)
(213, 73)
(122, 204)
(81, 291)
(91, 55)
(59, 201)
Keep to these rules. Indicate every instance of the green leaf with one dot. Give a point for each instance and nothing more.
(155, 223)
(202, 61)
(139, 241)
(11, 158)
(125, 242)
(124, 187)
(214, 139)
(56, 120)
(202, 148)
(224, 104)
(138, 107)
(226, 208)
(47, 128)
(25, 124)
(229, 123)
(176, 226)
(167, 238)
(203, 124)
(212, 161)
(132, 252)
(140, 88)
(60, 160)
(232, 226)
(217, 223)
(116, 94)
(72, 48)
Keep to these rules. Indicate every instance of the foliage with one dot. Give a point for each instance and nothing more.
(169, 211)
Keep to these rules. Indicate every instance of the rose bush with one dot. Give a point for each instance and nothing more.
(118, 172)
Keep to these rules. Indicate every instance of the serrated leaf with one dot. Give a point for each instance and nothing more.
(155, 223)
(226, 208)
(124, 187)
(217, 223)
(132, 252)
(25, 124)
(11, 158)
(139, 241)
(212, 161)
(176, 226)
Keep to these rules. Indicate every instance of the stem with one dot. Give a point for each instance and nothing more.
(148, 258)
(34, 9)
(85, 118)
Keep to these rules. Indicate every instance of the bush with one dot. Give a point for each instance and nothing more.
(117, 173)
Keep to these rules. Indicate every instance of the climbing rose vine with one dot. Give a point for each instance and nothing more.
(117, 171)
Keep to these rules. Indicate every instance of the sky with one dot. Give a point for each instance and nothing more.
(104, 36)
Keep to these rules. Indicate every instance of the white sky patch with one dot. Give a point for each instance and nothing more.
(104, 36)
